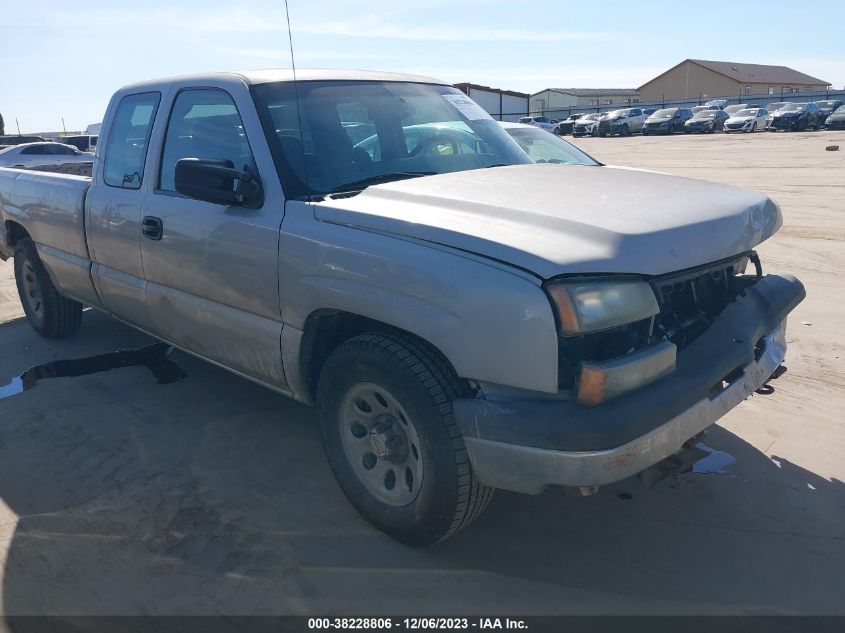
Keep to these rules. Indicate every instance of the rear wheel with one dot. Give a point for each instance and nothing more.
(48, 313)
(385, 407)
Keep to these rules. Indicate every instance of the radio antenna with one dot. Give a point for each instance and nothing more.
(298, 107)
(290, 41)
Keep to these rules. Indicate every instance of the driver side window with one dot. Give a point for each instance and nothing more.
(204, 123)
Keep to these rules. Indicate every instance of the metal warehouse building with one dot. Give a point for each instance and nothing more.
(700, 79)
(504, 105)
(556, 102)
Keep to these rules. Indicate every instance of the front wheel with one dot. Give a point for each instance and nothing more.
(385, 408)
(49, 313)
(625, 130)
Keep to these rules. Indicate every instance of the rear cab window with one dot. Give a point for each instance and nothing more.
(129, 138)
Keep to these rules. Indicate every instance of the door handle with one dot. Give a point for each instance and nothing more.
(152, 227)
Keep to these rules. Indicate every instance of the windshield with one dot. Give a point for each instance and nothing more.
(746, 113)
(665, 113)
(827, 104)
(705, 114)
(543, 147)
(840, 110)
(793, 107)
(617, 113)
(356, 133)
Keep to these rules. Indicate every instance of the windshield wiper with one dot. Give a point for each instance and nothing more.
(363, 183)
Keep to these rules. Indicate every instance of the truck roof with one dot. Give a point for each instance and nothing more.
(271, 75)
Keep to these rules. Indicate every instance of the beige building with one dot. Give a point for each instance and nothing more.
(699, 78)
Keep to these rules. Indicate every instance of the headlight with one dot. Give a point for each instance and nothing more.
(590, 306)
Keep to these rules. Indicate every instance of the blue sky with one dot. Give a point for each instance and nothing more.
(64, 59)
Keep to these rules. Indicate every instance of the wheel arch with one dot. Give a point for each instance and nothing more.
(326, 329)
(15, 232)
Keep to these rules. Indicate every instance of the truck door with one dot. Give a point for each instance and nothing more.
(212, 269)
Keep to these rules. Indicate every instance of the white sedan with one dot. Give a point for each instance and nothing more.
(41, 154)
(542, 122)
(747, 120)
(545, 147)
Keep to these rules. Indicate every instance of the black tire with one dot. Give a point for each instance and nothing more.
(49, 313)
(626, 130)
(422, 382)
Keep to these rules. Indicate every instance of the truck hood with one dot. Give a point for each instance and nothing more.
(553, 219)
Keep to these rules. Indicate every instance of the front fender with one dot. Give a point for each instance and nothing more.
(492, 322)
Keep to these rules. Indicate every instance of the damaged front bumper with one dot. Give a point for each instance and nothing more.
(525, 445)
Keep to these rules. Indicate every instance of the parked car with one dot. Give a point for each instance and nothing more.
(544, 147)
(706, 121)
(836, 121)
(826, 108)
(774, 107)
(740, 106)
(586, 124)
(82, 142)
(565, 126)
(17, 139)
(719, 103)
(541, 122)
(427, 139)
(30, 155)
(703, 108)
(622, 122)
(748, 120)
(461, 322)
(796, 117)
(667, 121)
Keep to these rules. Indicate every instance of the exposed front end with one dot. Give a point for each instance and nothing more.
(583, 129)
(631, 394)
(785, 122)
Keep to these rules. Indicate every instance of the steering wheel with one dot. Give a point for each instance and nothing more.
(431, 141)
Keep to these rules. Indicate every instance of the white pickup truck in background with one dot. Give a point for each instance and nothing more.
(374, 244)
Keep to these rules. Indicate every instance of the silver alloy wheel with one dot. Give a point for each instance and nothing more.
(32, 290)
(381, 444)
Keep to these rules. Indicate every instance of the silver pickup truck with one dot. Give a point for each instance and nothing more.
(376, 245)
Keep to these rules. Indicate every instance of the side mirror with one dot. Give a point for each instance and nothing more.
(216, 181)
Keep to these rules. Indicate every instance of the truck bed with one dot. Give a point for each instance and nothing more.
(51, 207)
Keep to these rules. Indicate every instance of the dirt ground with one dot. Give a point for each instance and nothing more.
(212, 495)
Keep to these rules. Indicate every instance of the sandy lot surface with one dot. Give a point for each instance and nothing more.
(211, 495)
